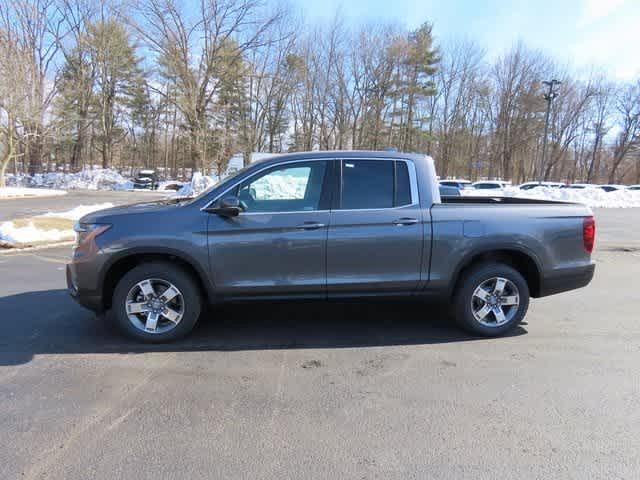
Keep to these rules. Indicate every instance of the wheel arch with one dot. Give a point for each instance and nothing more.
(130, 259)
(517, 257)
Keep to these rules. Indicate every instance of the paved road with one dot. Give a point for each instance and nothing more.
(324, 391)
(26, 207)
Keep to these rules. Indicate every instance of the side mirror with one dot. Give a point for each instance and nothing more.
(227, 207)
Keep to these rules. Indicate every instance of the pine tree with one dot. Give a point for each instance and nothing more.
(416, 84)
(73, 103)
(117, 76)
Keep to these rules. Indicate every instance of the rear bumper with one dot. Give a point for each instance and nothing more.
(567, 280)
(87, 298)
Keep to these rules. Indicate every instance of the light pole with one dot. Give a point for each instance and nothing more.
(548, 96)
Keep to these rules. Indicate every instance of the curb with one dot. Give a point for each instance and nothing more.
(6, 249)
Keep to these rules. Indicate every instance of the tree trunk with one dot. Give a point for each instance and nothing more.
(592, 165)
(106, 153)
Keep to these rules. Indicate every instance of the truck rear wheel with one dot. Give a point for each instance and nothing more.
(491, 299)
(156, 302)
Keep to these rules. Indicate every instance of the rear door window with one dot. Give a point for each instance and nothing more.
(374, 184)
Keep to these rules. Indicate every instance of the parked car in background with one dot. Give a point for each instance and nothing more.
(633, 187)
(612, 187)
(457, 183)
(579, 186)
(490, 184)
(530, 185)
(170, 185)
(449, 191)
(146, 179)
(329, 225)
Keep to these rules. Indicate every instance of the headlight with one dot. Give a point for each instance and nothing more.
(86, 234)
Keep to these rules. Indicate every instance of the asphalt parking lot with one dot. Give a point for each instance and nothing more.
(21, 207)
(345, 391)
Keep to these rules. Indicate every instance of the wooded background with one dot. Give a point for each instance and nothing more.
(182, 86)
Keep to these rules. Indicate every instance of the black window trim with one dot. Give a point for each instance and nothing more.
(333, 181)
(323, 206)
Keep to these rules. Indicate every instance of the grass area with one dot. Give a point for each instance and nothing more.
(45, 223)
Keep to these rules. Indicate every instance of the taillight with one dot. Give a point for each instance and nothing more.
(588, 233)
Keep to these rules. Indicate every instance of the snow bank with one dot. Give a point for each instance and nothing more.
(280, 187)
(269, 187)
(30, 233)
(79, 211)
(592, 197)
(94, 179)
(198, 184)
(19, 192)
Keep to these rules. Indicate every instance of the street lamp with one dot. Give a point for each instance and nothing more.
(548, 96)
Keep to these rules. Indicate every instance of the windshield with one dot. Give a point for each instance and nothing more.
(227, 180)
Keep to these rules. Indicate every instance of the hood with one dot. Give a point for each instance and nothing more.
(109, 214)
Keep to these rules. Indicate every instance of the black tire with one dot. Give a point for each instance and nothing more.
(183, 281)
(472, 279)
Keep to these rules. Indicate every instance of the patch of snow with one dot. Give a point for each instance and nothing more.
(30, 233)
(270, 187)
(592, 197)
(79, 211)
(276, 187)
(20, 192)
(198, 184)
(89, 179)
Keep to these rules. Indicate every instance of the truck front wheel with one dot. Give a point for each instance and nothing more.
(491, 299)
(156, 302)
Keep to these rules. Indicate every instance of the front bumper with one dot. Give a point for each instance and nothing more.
(87, 298)
(567, 280)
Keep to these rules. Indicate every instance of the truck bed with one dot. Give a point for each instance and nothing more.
(500, 200)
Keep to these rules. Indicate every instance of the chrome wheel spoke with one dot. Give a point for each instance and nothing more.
(152, 322)
(484, 311)
(171, 315)
(137, 307)
(499, 288)
(146, 288)
(499, 314)
(169, 294)
(481, 293)
(509, 300)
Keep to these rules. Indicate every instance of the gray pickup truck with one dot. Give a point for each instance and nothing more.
(328, 225)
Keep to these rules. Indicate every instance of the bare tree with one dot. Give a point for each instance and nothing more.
(38, 28)
(600, 117)
(628, 139)
(14, 98)
(190, 47)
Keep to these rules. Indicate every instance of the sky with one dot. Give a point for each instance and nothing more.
(581, 33)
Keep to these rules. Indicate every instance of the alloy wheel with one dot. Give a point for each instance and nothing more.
(154, 306)
(495, 302)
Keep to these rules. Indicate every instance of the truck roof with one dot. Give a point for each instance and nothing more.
(332, 154)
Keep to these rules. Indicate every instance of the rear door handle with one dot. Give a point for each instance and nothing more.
(310, 226)
(405, 221)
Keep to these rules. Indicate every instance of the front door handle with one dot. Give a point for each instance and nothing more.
(311, 226)
(405, 221)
